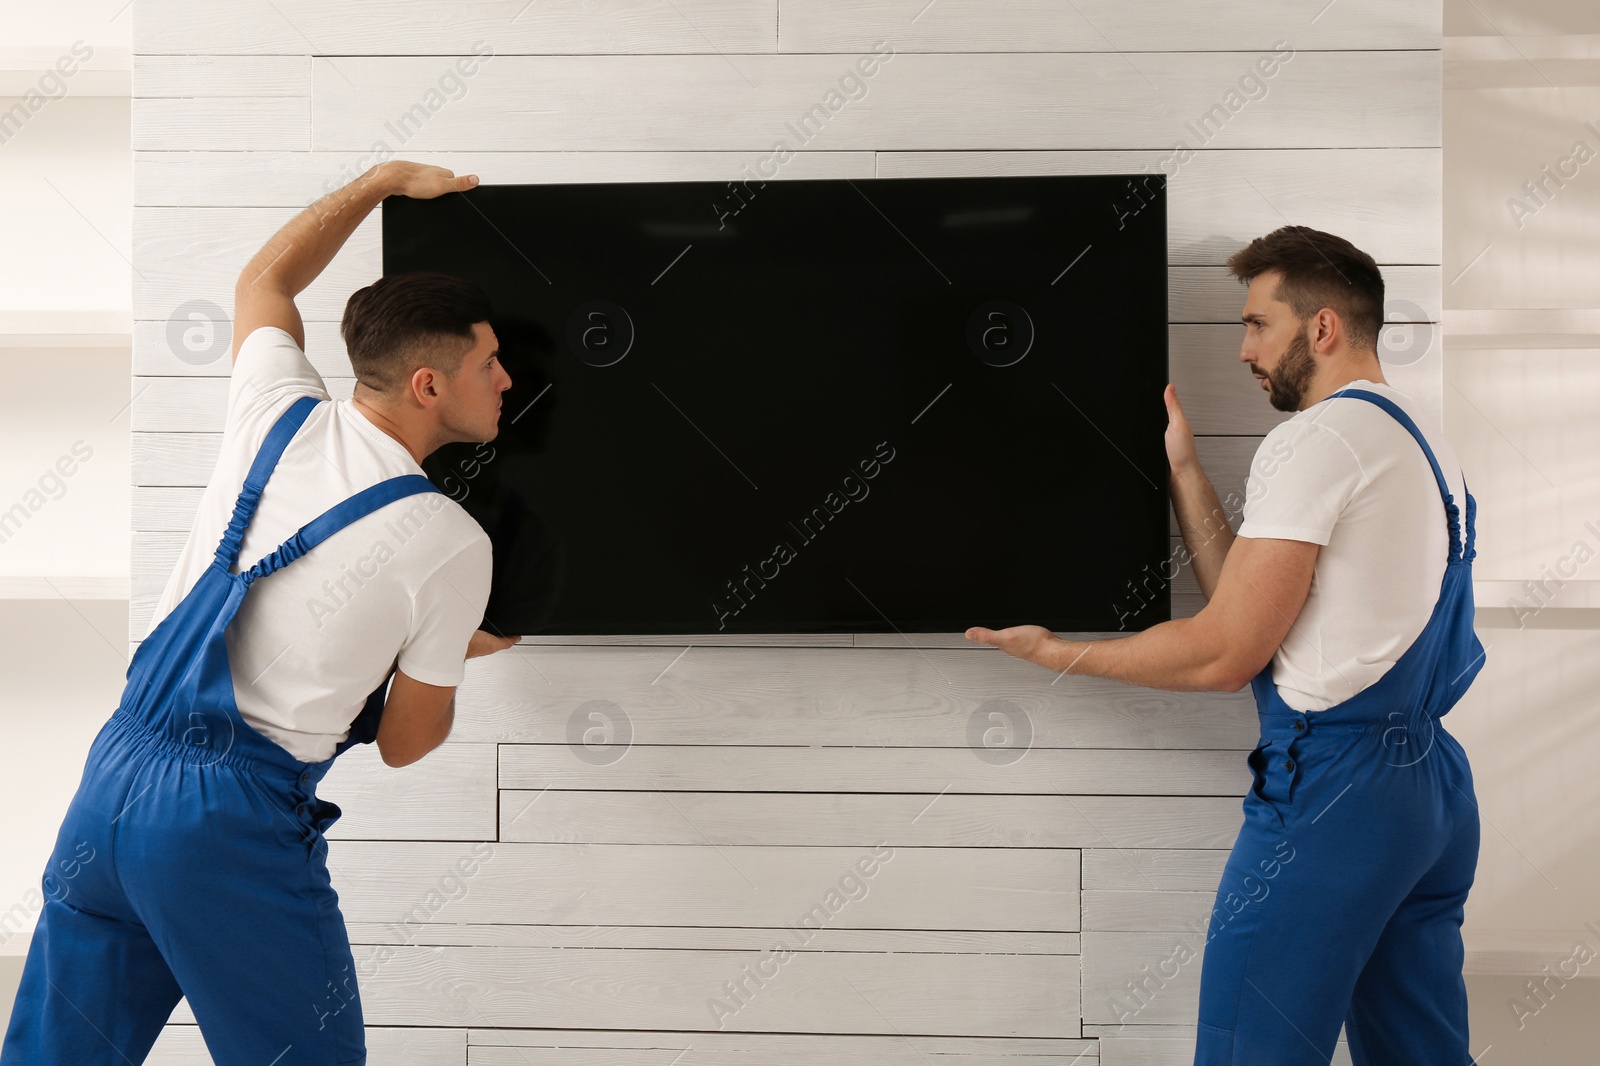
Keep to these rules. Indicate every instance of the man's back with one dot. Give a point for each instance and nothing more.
(311, 642)
(1346, 474)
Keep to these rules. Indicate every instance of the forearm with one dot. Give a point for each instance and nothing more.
(1179, 656)
(303, 248)
(1204, 524)
(447, 721)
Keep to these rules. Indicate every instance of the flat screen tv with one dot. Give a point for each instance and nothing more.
(815, 406)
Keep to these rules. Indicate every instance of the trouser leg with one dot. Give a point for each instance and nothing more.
(1410, 1003)
(95, 992)
(250, 920)
(1273, 988)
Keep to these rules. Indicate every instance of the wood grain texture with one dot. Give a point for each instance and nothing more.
(1149, 911)
(1165, 970)
(691, 938)
(186, 77)
(397, 27)
(411, 882)
(1176, 870)
(392, 27)
(914, 102)
(1100, 25)
(182, 1045)
(450, 795)
(812, 819)
(1161, 1045)
(756, 1046)
(230, 123)
(860, 993)
(892, 1051)
(930, 771)
(866, 993)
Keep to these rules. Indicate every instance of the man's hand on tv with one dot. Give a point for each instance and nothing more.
(488, 643)
(1181, 455)
(1025, 642)
(420, 181)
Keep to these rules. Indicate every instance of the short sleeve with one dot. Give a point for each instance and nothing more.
(1302, 477)
(270, 367)
(448, 608)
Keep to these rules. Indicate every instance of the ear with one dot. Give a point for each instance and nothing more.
(1328, 330)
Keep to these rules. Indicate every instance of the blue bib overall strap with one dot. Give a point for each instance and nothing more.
(191, 862)
(1342, 900)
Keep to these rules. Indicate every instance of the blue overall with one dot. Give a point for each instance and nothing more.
(1342, 899)
(192, 860)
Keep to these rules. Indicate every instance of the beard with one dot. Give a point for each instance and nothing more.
(1286, 386)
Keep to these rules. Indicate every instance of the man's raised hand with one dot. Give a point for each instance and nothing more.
(1181, 455)
(421, 181)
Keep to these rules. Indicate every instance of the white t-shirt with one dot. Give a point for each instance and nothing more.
(1346, 474)
(314, 639)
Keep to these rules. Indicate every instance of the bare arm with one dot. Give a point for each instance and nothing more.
(298, 253)
(416, 716)
(1201, 518)
(1263, 586)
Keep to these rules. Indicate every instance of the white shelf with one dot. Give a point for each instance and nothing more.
(107, 73)
(1513, 328)
(65, 587)
(66, 328)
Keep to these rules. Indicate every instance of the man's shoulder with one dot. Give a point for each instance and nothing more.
(451, 531)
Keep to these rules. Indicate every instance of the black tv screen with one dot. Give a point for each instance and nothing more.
(815, 406)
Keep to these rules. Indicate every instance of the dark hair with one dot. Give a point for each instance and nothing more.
(403, 322)
(1319, 270)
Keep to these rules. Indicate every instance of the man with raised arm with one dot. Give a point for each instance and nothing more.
(191, 862)
(1345, 603)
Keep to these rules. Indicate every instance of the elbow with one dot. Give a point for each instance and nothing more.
(1227, 674)
(395, 758)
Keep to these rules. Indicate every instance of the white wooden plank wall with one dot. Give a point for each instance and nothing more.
(512, 903)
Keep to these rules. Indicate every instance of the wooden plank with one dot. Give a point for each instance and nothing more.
(1384, 201)
(1019, 1051)
(1098, 25)
(911, 941)
(182, 1045)
(1166, 871)
(1164, 969)
(809, 992)
(165, 508)
(893, 1051)
(1161, 1045)
(913, 102)
(945, 771)
(298, 179)
(763, 887)
(223, 124)
(181, 77)
(1147, 912)
(449, 795)
(851, 819)
(398, 27)
(829, 697)
(196, 254)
